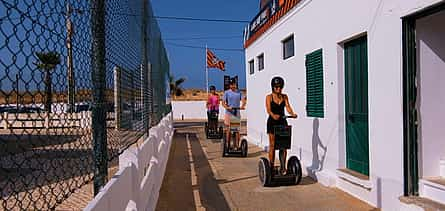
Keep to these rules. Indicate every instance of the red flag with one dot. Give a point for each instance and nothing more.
(213, 62)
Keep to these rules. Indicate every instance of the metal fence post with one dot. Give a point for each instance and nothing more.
(70, 70)
(117, 97)
(99, 131)
(17, 95)
(145, 73)
(150, 94)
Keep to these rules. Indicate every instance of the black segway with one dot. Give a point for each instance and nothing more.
(270, 174)
(228, 149)
(211, 127)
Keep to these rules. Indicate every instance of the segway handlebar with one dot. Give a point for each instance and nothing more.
(237, 108)
(288, 117)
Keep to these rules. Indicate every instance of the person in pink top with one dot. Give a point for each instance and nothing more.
(213, 106)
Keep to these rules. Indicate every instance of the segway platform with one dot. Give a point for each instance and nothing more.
(213, 133)
(270, 175)
(229, 150)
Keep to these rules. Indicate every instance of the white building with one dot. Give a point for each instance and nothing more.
(351, 69)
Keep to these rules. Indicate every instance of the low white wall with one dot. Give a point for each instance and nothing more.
(141, 170)
(195, 110)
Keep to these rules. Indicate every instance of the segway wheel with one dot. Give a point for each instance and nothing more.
(294, 167)
(244, 148)
(223, 146)
(264, 172)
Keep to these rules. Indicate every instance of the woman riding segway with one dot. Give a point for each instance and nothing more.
(232, 99)
(212, 101)
(211, 126)
(275, 103)
(280, 137)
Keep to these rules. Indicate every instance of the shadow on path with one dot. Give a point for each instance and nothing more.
(176, 191)
(224, 181)
(212, 197)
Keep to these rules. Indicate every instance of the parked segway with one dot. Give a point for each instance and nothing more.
(228, 148)
(211, 127)
(270, 174)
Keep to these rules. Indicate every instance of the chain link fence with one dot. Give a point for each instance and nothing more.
(80, 82)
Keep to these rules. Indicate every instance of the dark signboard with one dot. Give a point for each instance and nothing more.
(227, 82)
(267, 11)
(263, 3)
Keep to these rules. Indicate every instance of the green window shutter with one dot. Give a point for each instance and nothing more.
(314, 84)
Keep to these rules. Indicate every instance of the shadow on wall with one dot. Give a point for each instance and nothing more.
(317, 163)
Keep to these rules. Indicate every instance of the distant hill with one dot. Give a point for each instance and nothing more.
(198, 95)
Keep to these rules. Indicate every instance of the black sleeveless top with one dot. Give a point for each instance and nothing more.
(276, 109)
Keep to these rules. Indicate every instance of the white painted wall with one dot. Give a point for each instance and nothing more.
(327, 24)
(141, 171)
(431, 69)
(196, 110)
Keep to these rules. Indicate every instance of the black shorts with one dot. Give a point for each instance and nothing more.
(272, 122)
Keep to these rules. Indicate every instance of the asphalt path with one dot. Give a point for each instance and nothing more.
(198, 178)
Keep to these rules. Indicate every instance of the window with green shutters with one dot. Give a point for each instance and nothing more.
(314, 84)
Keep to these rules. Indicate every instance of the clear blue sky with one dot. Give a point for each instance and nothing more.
(190, 62)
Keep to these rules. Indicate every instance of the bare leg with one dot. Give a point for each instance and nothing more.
(228, 136)
(283, 154)
(237, 139)
(271, 149)
(227, 129)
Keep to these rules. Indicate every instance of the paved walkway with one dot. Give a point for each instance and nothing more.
(198, 178)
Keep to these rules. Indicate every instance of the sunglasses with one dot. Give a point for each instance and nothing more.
(276, 87)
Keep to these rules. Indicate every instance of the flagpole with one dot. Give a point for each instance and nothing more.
(207, 72)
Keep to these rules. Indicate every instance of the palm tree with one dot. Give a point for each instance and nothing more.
(175, 86)
(47, 63)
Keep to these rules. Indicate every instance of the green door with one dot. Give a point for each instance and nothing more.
(356, 103)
